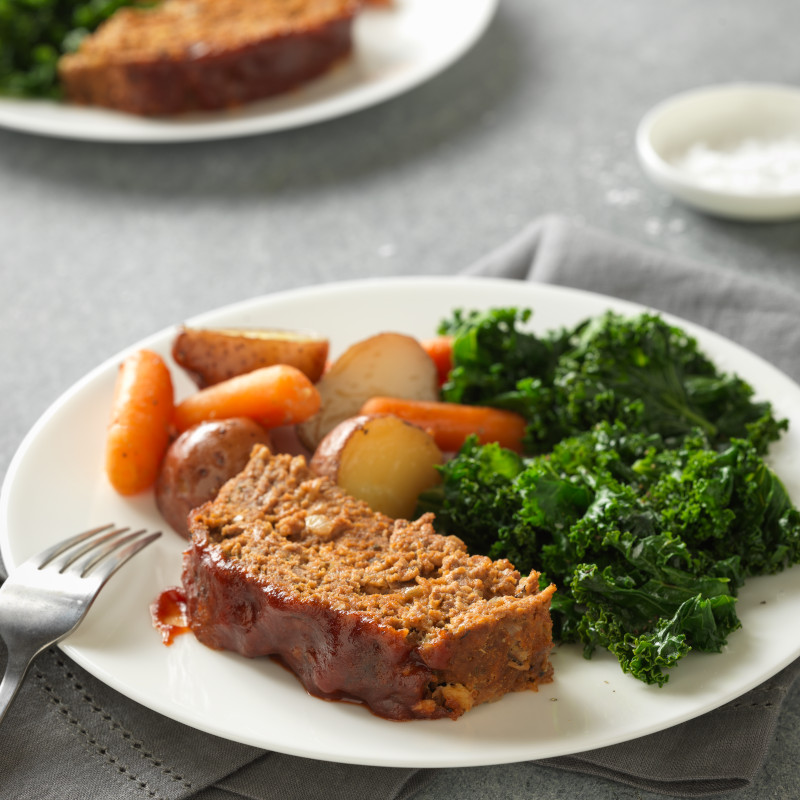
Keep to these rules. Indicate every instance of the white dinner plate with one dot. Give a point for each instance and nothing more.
(55, 486)
(395, 49)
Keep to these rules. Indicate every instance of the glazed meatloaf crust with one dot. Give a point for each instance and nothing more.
(187, 55)
(357, 605)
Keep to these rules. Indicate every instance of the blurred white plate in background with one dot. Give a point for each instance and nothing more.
(395, 49)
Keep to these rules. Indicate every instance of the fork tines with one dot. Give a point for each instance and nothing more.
(82, 553)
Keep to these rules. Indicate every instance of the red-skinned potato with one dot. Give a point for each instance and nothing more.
(199, 461)
(380, 459)
(387, 364)
(212, 355)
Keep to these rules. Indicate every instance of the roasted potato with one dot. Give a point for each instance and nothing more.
(212, 355)
(380, 459)
(199, 461)
(388, 364)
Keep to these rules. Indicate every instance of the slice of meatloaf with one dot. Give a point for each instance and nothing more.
(358, 605)
(186, 55)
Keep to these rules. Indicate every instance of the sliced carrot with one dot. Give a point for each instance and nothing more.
(440, 349)
(274, 396)
(451, 423)
(141, 416)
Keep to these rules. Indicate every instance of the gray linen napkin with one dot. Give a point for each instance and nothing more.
(724, 749)
(552, 249)
(70, 736)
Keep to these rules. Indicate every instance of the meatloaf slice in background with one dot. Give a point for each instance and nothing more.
(357, 605)
(189, 55)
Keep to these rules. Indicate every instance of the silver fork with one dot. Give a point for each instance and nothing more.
(47, 596)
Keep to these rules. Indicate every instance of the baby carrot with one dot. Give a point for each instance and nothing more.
(440, 349)
(451, 423)
(139, 430)
(274, 396)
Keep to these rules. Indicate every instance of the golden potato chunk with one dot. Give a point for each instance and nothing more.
(388, 364)
(212, 355)
(382, 460)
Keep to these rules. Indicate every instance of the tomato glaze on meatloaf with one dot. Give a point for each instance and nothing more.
(359, 606)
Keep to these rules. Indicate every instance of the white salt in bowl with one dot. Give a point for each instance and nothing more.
(732, 151)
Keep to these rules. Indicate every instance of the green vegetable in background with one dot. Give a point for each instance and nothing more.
(34, 34)
(645, 496)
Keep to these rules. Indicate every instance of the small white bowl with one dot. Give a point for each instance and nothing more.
(732, 150)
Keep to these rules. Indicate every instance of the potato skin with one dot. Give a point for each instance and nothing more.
(327, 458)
(381, 459)
(212, 355)
(199, 461)
(389, 364)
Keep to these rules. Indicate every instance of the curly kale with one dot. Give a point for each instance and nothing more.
(647, 544)
(640, 370)
(643, 493)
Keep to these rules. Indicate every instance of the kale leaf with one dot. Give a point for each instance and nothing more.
(640, 370)
(647, 544)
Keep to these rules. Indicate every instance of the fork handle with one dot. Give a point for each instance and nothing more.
(16, 668)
